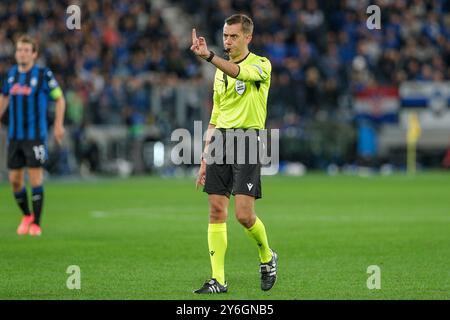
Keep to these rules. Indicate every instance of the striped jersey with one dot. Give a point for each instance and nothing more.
(29, 94)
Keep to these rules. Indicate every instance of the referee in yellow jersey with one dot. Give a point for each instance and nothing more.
(241, 87)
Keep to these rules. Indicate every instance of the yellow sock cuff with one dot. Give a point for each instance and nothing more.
(256, 225)
(258, 233)
(217, 227)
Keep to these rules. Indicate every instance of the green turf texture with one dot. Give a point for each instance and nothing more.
(145, 238)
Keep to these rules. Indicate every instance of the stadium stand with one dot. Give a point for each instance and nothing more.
(126, 67)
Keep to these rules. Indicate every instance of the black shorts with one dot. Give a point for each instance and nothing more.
(235, 177)
(26, 153)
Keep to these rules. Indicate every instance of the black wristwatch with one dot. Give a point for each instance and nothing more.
(211, 56)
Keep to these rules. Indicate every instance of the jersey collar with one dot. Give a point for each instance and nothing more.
(244, 58)
(31, 69)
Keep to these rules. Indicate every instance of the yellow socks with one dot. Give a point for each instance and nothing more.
(217, 243)
(258, 233)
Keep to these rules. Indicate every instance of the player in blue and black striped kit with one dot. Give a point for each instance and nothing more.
(26, 90)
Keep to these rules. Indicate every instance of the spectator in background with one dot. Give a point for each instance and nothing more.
(317, 47)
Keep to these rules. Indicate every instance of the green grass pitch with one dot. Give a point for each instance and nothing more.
(145, 238)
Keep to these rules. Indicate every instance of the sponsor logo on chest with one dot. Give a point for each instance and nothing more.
(17, 89)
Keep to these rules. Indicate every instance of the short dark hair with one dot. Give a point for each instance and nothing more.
(30, 40)
(245, 21)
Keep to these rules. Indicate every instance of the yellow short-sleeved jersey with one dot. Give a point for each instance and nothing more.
(242, 102)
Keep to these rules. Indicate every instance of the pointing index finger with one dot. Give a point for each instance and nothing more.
(194, 36)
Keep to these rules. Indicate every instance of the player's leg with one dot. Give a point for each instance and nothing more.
(247, 188)
(217, 244)
(16, 163)
(36, 176)
(254, 227)
(217, 235)
(16, 178)
(36, 155)
(218, 186)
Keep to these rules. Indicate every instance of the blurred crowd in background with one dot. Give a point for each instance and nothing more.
(321, 52)
(108, 67)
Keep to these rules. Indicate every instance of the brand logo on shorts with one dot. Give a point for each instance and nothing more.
(249, 186)
(240, 87)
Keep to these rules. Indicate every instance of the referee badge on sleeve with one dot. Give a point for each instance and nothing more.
(239, 86)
